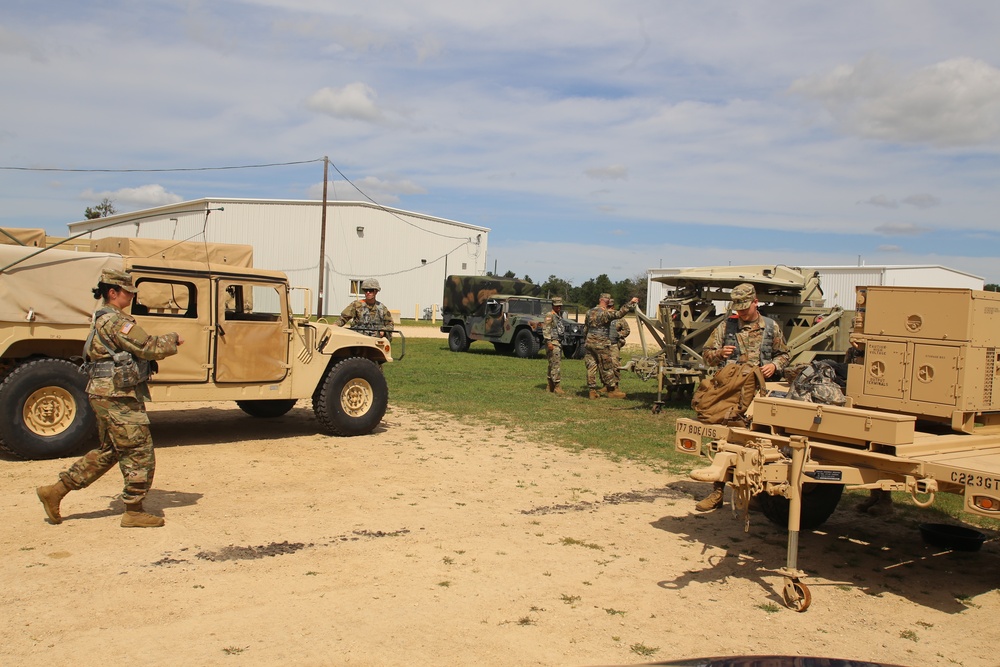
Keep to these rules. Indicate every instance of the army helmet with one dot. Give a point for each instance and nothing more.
(370, 283)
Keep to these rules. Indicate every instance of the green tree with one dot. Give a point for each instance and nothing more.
(103, 210)
(554, 286)
(991, 287)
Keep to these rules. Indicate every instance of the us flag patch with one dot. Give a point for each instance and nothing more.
(127, 327)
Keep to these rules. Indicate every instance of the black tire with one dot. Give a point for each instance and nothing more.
(44, 410)
(818, 503)
(352, 398)
(457, 340)
(268, 408)
(525, 344)
(574, 350)
(504, 348)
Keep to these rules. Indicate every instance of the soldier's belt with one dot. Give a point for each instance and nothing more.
(100, 369)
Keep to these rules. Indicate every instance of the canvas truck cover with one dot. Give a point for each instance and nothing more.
(22, 237)
(55, 285)
(230, 254)
(463, 295)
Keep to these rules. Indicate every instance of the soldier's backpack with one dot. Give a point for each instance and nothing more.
(724, 397)
(818, 382)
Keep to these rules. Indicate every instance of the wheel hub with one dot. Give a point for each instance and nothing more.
(49, 411)
(356, 398)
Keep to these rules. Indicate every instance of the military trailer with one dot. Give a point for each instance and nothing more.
(686, 318)
(506, 312)
(243, 340)
(922, 417)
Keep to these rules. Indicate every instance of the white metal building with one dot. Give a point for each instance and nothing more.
(838, 282)
(408, 253)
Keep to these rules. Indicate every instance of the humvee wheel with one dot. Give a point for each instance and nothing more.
(525, 344)
(796, 595)
(44, 410)
(818, 503)
(503, 348)
(457, 340)
(268, 408)
(352, 398)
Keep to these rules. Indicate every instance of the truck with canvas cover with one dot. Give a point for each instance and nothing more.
(921, 416)
(698, 302)
(244, 341)
(506, 312)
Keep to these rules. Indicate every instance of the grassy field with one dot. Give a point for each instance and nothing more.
(490, 389)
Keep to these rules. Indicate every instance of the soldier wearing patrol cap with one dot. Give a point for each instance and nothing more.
(745, 336)
(368, 315)
(552, 333)
(118, 353)
(598, 357)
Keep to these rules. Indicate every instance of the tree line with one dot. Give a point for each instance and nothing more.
(586, 294)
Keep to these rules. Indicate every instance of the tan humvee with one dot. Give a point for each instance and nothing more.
(922, 417)
(242, 340)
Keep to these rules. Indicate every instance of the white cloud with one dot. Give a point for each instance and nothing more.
(900, 229)
(922, 201)
(355, 101)
(140, 197)
(615, 172)
(382, 191)
(889, 248)
(955, 102)
(881, 201)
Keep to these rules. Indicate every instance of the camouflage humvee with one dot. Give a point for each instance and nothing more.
(506, 312)
(243, 340)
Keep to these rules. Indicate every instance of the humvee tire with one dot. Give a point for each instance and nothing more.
(504, 348)
(352, 398)
(44, 410)
(525, 344)
(266, 409)
(457, 340)
(818, 503)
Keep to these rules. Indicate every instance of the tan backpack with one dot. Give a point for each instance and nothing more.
(724, 397)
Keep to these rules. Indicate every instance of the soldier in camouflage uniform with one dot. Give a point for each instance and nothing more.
(598, 356)
(118, 400)
(367, 315)
(619, 332)
(745, 336)
(552, 333)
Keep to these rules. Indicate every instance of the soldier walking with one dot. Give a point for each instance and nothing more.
(598, 344)
(119, 352)
(552, 333)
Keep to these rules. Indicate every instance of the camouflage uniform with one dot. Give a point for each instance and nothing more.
(755, 343)
(598, 357)
(619, 332)
(122, 422)
(552, 333)
(369, 320)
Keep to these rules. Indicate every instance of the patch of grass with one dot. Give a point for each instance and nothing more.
(234, 650)
(570, 599)
(444, 584)
(614, 612)
(769, 607)
(643, 650)
(526, 620)
(909, 634)
(570, 541)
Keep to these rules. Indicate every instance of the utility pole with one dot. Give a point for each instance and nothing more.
(322, 243)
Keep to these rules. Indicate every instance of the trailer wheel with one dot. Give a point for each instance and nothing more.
(796, 596)
(525, 344)
(352, 398)
(268, 408)
(457, 340)
(818, 503)
(44, 410)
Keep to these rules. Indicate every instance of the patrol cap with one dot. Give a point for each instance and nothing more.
(742, 296)
(121, 279)
(557, 301)
(605, 295)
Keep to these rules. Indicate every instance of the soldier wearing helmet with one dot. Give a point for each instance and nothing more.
(368, 315)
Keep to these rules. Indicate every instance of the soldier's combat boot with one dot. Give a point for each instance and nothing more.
(879, 503)
(594, 394)
(51, 496)
(551, 387)
(556, 389)
(713, 500)
(614, 392)
(134, 517)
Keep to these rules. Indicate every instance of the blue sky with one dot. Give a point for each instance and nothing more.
(590, 136)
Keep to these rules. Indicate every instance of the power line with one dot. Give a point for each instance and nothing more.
(149, 171)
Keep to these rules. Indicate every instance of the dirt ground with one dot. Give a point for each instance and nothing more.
(432, 542)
